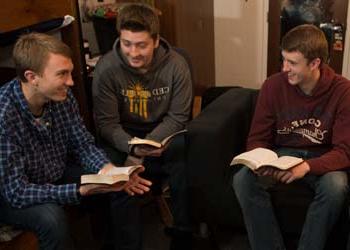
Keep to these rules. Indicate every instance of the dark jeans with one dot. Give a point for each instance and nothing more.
(331, 190)
(126, 210)
(49, 221)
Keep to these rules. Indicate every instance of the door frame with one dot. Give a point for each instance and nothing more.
(264, 49)
(346, 56)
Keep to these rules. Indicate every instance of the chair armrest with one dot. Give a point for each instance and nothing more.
(214, 137)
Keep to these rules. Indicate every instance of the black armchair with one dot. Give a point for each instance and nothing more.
(217, 134)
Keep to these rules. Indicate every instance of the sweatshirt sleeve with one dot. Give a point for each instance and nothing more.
(339, 156)
(263, 123)
(180, 105)
(106, 111)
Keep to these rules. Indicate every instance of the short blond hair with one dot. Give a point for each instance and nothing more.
(32, 50)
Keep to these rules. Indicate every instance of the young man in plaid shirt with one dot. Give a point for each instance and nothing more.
(39, 127)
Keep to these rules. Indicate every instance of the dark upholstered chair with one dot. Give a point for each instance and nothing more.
(217, 134)
(159, 188)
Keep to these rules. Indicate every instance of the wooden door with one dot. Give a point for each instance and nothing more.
(20, 14)
(189, 24)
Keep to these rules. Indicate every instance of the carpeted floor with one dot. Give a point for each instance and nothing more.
(154, 236)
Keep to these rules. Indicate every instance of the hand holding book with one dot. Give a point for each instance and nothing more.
(265, 162)
(153, 143)
(286, 176)
(262, 157)
(137, 184)
(91, 189)
(146, 150)
(148, 147)
(112, 179)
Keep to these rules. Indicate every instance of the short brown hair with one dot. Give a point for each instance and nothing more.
(308, 40)
(31, 52)
(138, 17)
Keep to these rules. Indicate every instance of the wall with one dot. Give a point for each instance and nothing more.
(240, 42)
(346, 58)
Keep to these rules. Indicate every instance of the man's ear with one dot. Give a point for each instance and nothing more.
(156, 41)
(30, 75)
(315, 63)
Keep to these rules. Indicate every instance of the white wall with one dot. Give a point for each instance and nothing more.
(240, 42)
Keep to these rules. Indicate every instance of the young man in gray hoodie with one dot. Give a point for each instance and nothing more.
(143, 88)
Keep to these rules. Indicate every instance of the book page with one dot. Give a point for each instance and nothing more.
(139, 141)
(285, 162)
(168, 138)
(255, 157)
(103, 179)
(122, 170)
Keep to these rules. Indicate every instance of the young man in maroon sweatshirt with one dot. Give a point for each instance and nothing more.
(303, 111)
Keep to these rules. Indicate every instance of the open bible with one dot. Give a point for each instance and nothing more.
(260, 157)
(116, 174)
(156, 144)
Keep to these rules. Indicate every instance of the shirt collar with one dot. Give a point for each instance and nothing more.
(23, 103)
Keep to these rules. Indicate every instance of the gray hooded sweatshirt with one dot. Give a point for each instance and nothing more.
(150, 105)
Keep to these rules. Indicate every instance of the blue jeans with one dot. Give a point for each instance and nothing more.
(126, 210)
(47, 221)
(263, 230)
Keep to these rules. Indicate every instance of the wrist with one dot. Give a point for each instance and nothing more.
(307, 166)
(78, 192)
(132, 150)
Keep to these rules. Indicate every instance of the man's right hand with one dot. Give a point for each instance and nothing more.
(90, 189)
(144, 150)
(135, 185)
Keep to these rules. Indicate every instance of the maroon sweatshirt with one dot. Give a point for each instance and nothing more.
(286, 117)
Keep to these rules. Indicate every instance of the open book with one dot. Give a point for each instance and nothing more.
(116, 174)
(139, 141)
(261, 157)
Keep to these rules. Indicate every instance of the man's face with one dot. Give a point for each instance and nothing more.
(138, 48)
(56, 78)
(298, 68)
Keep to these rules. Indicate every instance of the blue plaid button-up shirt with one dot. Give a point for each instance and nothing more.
(33, 151)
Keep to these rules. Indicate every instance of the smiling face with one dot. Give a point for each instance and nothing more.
(56, 78)
(300, 71)
(138, 48)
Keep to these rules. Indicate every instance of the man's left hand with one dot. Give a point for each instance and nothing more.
(144, 150)
(137, 184)
(294, 173)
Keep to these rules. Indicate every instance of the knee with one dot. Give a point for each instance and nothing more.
(241, 182)
(334, 187)
(53, 221)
